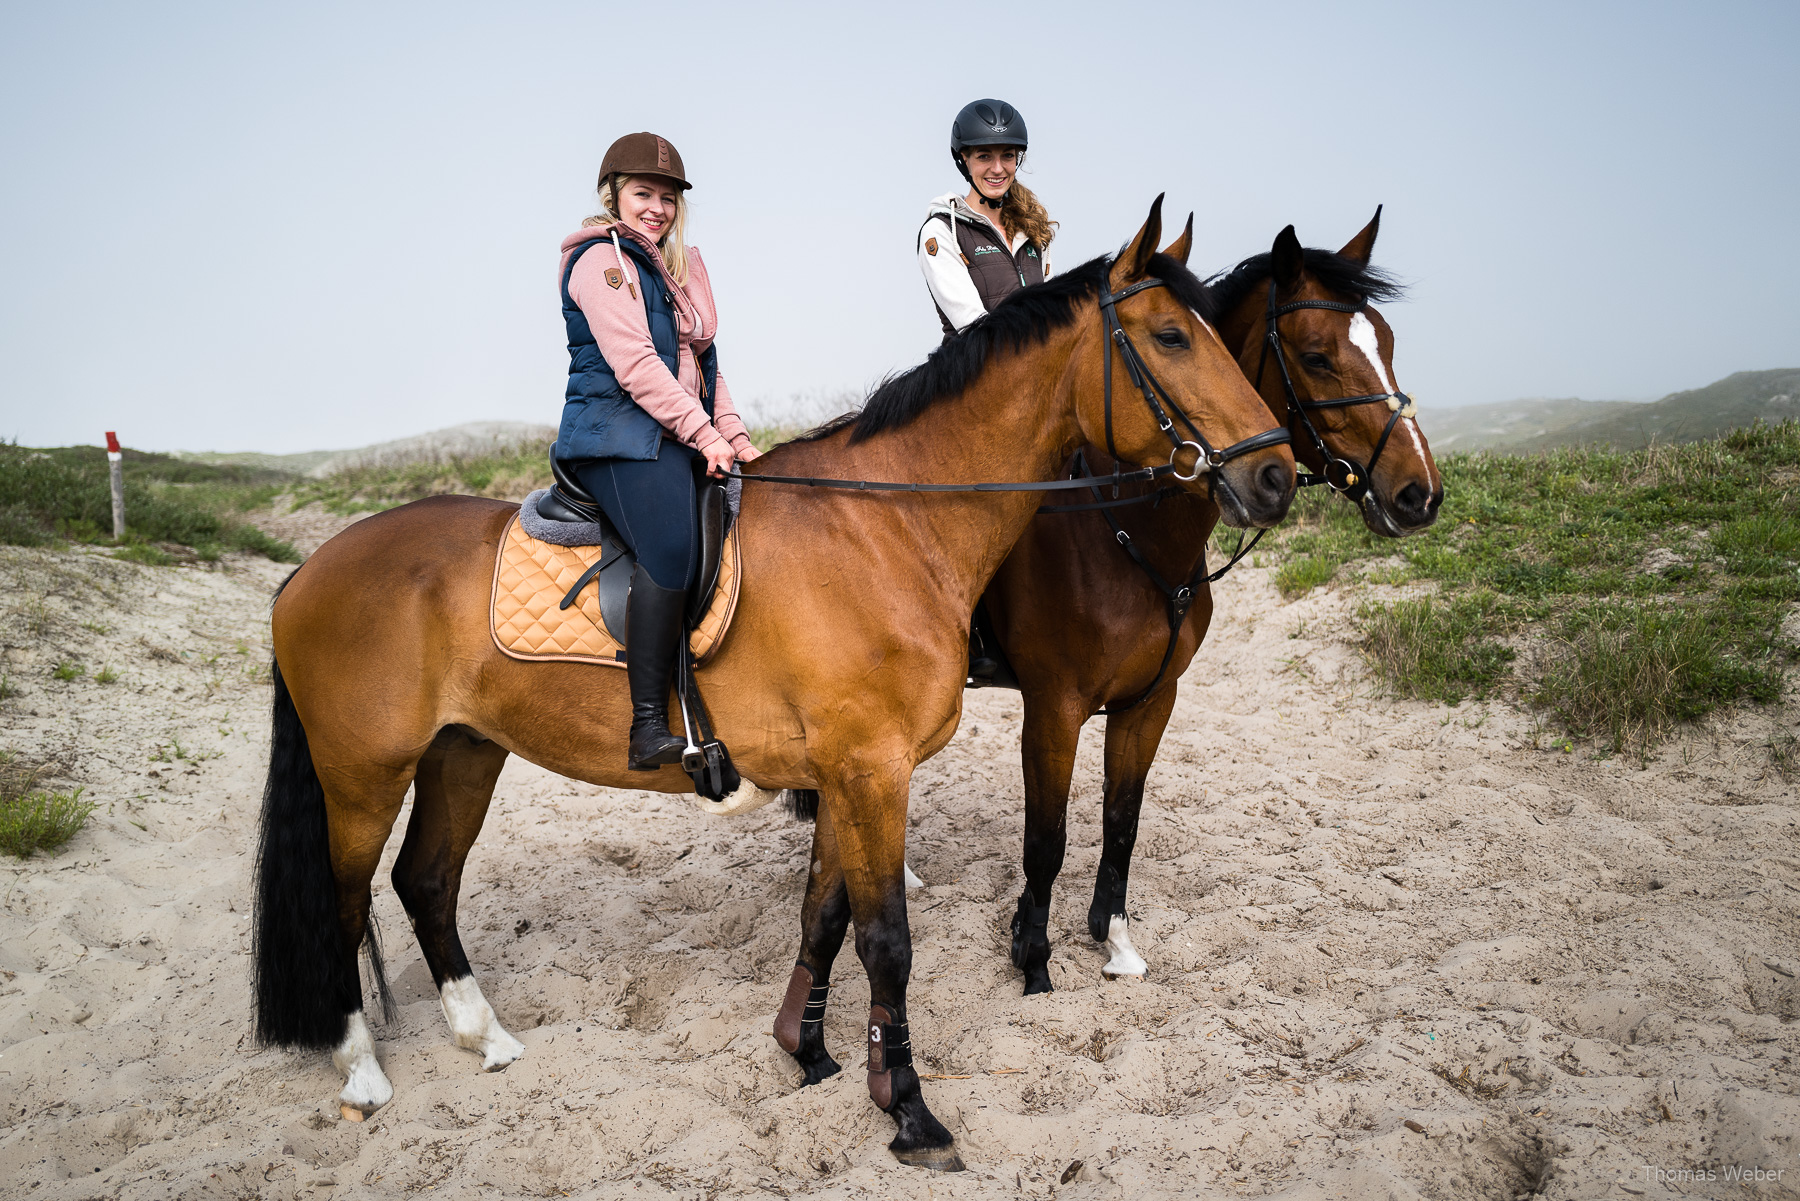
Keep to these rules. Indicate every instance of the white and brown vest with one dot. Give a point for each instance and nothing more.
(996, 270)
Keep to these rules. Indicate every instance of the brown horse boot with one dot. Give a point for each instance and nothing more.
(653, 632)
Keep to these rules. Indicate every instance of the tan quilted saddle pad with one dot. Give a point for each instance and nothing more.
(531, 578)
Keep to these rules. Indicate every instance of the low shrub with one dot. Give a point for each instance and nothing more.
(1436, 648)
(1630, 671)
(34, 819)
(67, 493)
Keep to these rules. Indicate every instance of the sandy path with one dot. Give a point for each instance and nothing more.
(1358, 914)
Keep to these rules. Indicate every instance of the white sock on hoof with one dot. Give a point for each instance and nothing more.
(366, 1086)
(473, 1024)
(1126, 963)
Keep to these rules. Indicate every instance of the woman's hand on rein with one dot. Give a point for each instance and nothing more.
(719, 459)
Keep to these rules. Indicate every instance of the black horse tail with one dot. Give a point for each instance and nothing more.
(306, 986)
(803, 803)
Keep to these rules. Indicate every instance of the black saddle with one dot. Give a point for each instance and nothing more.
(569, 501)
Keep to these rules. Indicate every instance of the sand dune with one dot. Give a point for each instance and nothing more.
(1395, 951)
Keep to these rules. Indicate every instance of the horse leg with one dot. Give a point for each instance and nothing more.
(359, 816)
(320, 840)
(868, 814)
(1131, 741)
(451, 791)
(1048, 751)
(800, 1025)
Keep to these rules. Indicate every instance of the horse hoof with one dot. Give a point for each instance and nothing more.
(1126, 963)
(1037, 980)
(934, 1159)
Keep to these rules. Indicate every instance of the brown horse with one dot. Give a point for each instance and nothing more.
(387, 676)
(1087, 631)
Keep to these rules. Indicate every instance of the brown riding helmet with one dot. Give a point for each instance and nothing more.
(643, 154)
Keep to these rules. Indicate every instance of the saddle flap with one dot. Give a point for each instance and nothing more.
(712, 543)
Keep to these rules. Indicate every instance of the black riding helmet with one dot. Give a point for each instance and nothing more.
(985, 123)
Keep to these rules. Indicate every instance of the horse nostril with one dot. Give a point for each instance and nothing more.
(1413, 501)
(1274, 480)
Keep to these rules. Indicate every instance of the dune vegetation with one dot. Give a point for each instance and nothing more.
(1620, 591)
(174, 509)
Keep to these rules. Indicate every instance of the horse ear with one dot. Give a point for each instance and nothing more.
(1360, 248)
(1183, 246)
(1286, 260)
(1134, 261)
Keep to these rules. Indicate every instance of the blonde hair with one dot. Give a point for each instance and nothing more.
(673, 243)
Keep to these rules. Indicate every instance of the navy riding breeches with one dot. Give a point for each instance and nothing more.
(653, 504)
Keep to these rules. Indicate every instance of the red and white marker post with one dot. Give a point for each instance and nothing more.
(115, 462)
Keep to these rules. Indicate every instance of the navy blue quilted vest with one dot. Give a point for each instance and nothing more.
(599, 420)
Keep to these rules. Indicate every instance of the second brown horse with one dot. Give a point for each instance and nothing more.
(1086, 630)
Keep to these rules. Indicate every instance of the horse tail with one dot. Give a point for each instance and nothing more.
(305, 985)
(803, 803)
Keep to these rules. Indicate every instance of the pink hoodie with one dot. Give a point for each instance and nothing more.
(622, 332)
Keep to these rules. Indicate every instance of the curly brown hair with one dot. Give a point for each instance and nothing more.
(1022, 212)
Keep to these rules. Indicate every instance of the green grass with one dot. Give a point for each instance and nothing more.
(65, 494)
(1658, 579)
(1436, 649)
(1301, 575)
(34, 819)
(67, 670)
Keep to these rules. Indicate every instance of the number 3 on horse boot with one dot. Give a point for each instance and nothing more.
(653, 633)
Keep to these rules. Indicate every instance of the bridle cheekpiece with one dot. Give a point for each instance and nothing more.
(1350, 479)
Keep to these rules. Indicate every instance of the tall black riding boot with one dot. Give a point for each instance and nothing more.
(653, 632)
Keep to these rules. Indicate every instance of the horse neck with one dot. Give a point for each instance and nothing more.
(1016, 422)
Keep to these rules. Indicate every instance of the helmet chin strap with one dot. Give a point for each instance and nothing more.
(993, 204)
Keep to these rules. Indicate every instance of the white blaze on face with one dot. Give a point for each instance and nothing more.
(1125, 963)
(1363, 337)
(1207, 326)
(366, 1087)
(473, 1024)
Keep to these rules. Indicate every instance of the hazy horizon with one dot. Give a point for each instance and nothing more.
(280, 230)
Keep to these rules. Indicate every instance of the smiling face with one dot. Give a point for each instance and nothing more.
(649, 204)
(992, 168)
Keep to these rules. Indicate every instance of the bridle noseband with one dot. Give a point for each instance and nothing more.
(1207, 458)
(1344, 476)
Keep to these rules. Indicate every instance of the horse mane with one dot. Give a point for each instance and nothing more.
(1024, 319)
(1346, 277)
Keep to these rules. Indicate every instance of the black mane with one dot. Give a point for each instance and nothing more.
(1026, 318)
(1346, 277)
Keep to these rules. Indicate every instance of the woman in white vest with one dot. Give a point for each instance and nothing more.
(979, 248)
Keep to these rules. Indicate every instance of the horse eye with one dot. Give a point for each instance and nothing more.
(1317, 362)
(1172, 338)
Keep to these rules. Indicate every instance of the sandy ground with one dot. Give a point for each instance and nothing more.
(1395, 951)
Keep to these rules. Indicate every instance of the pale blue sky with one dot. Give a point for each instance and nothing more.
(248, 227)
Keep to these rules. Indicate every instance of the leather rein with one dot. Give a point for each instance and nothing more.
(1180, 597)
(1207, 458)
